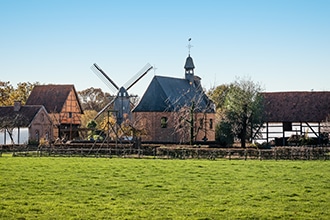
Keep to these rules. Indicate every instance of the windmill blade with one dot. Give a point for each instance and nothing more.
(104, 77)
(138, 76)
(103, 109)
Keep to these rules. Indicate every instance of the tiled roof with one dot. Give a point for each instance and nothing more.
(167, 94)
(53, 97)
(296, 106)
(21, 118)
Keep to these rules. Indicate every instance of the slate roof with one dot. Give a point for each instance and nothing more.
(53, 97)
(21, 118)
(296, 106)
(167, 94)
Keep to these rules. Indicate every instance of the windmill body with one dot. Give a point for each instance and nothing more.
(121, 103)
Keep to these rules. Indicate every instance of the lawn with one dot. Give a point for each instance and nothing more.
(103, 188)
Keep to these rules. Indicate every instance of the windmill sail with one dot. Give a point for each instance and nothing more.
(138, 76)
(104, 77)
(103, 109)
(121, 103)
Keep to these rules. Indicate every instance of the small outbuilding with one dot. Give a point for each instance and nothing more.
(24, 124)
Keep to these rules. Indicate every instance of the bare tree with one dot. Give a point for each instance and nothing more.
(184, 115)
(9, 123)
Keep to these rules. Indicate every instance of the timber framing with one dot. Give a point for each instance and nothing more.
(294, 113)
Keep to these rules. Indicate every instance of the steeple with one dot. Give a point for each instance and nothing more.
(189, 66)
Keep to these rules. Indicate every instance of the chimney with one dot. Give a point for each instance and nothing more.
(17, 106)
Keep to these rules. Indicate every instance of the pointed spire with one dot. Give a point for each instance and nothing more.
(189, 65)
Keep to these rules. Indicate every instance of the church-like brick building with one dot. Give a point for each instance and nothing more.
(176, 110)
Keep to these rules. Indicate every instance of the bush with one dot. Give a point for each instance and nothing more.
(224, 134)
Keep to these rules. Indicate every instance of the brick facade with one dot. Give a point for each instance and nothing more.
(41, 127)
(156, 130)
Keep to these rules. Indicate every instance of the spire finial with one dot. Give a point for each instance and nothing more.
(189, 46)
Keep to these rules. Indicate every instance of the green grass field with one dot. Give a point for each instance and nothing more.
(101, 188)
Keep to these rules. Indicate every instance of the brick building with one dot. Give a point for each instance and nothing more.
(32, 118)
(176, 109)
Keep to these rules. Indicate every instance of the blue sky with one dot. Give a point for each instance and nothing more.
(282, 44)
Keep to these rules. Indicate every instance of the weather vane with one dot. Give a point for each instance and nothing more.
(189, 46)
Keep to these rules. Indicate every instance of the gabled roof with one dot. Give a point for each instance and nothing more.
(296, 106)
(53, 97)
(168, 94)
(21, 118)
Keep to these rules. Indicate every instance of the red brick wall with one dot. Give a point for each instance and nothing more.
(42, 125)
(151, 122)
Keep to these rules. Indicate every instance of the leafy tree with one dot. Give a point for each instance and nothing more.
(94, 99)
(88, 116)
(239, 108)
(244, 108)
(9, 94)
(5, 90)
(22, 92)
(218, 95)
(224, 134)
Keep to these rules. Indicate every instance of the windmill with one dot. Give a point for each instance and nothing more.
(121, 102)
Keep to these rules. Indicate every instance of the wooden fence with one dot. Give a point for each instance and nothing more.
(172, 152)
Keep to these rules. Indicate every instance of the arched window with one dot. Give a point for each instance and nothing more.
(211, 123)
(37, 135)
(163, 122)
(201, 122)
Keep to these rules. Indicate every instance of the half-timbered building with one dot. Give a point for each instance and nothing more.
(63, 106)
(295, 113)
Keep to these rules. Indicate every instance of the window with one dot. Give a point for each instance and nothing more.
(287, 126)
(201, 122)
(211, 123)
(163, 122)
(37, 135)
(70, 114)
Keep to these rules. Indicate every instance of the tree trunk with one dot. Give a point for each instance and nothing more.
(244, 126)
